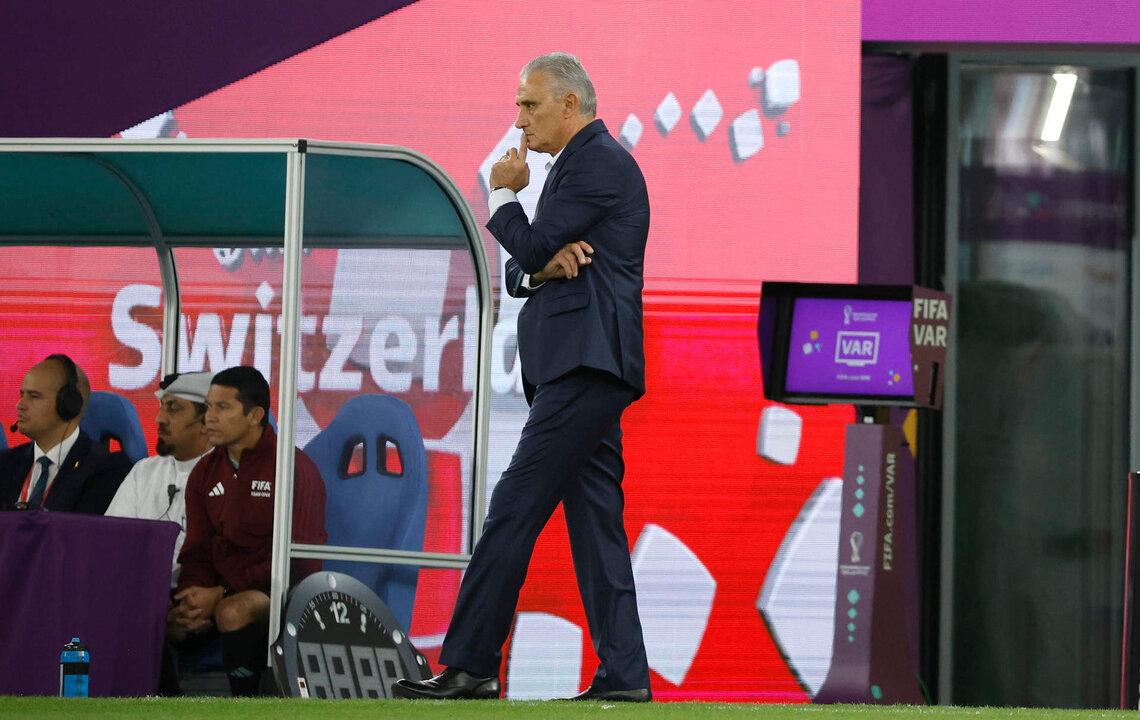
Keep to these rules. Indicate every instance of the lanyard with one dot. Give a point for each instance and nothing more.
(28, 483)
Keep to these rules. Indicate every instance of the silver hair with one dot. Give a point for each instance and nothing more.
(566, 75)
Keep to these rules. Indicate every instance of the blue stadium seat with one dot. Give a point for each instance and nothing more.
(111, 417)
(3, 441)
(373, 462)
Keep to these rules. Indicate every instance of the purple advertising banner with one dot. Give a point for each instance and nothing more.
(1001, 21)
(850, 347)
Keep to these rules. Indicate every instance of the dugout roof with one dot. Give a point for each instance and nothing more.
(293, 194)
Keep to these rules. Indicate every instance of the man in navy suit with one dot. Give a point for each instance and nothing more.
(579, 264)
(60, 468)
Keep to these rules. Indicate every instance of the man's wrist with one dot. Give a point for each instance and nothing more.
(499, 196)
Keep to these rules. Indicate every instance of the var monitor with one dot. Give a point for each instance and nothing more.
(862, 344)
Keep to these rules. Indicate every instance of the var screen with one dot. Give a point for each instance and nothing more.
(850, 347)
(744, 118)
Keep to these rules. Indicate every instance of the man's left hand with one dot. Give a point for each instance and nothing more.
(195, 609)
(512, 171)
(566, 262)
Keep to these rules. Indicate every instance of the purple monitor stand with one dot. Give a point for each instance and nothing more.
(875, 651)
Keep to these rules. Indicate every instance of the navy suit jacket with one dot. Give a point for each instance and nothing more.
(595, 192)
(86, 482)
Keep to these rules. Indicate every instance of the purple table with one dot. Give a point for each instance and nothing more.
(103, 580)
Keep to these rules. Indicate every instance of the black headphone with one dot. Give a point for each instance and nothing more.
(68, 401)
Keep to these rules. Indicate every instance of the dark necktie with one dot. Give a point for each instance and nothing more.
(36, 499)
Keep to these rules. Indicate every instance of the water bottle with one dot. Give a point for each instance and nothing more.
(74, 667)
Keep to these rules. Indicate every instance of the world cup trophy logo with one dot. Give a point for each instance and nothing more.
(856, 541)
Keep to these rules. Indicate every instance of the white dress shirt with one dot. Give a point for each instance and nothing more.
(57, 455)
(155, 489)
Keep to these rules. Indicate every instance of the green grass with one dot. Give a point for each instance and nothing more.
(38, 708)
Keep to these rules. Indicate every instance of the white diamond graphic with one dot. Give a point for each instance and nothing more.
(745, 135)
(797, 599)
(706, 115)
(667, 115)
(779, 435)
(155, 127)
(264, 294)
(674, 598)
(546, 657)
(781, 86)
(630, 132)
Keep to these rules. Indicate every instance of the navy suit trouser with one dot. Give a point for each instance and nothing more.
(569, 452)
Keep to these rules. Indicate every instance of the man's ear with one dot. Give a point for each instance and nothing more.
(256, 414)
(570, 105)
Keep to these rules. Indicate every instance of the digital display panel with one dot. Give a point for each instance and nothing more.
(745, 122)
(850, 347)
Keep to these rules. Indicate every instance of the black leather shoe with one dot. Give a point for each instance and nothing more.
(451, 684)
(635, 695)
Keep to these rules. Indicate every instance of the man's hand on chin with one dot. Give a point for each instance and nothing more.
(512, 171)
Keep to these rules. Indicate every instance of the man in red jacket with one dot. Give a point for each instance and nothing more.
(229, 525)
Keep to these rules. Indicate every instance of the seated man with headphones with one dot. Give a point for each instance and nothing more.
(61, 468)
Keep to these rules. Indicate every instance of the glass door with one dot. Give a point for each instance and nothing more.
(1040, 416)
